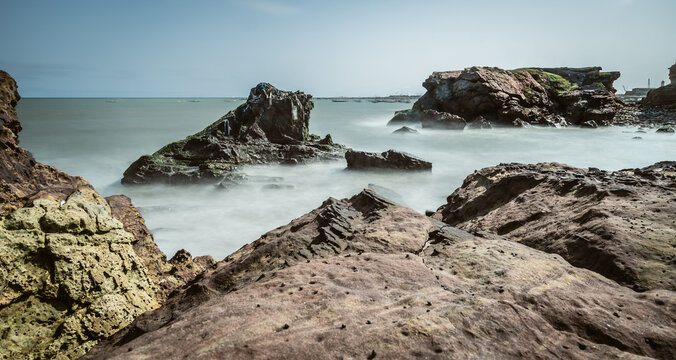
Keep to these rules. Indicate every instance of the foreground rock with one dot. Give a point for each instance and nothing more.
(22, 179)
(537, 96)
(620, 224)
(70, 272)
(364, 278)
(271, 127)
(389, 159)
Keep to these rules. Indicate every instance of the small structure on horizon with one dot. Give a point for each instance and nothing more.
(672, 74)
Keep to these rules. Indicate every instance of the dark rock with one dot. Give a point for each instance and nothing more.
(665, 95)
(619, 224)
(479, 123)
(665, 129)
(405, 130)
(433, 119)
(542, 96)
(389, 159)
(547, 309)
(591, 124)
(271, 127)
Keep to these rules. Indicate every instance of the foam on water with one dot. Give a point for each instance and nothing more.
(98, 140)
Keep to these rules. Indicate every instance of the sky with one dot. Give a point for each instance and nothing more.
(203, 48)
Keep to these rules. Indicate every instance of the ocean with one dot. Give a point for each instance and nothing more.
(99, 138)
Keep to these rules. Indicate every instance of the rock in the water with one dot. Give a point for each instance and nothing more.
(479, 123)
(381, 279)
(405, 130)
(271, 127)
(441, 120)
(620, 224)
(389, 159)
(591, 124)
(665, 129)
(537, 96)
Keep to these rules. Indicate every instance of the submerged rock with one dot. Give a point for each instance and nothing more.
(665, 129)
(271, 127)
(389, 159)
(538, 96)
(405, 130)
(364, 276)
(620, 224)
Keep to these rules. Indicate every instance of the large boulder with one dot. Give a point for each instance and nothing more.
(365, 278)
(543, 96)
(620, 224)
(270, 127)
(389, 159)
(665, 95)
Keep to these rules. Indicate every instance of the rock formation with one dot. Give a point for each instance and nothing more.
(542, 96)
(70, 272)
(620, 224)
(271, 127)
(22, 179)
(664, 95)
(365, 278)
(389, 159)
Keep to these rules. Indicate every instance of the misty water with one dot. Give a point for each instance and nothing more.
(99, 138)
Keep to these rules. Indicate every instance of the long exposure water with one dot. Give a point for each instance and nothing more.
(99, 138)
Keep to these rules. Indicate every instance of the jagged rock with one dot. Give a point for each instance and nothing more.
(389, 159)
(166, 275)
(22, 179)
(479, 123)
(69, 277)
(405, 130)
(532, 95)
(363, 276)
(591, 124)
(620, 224)
(441, 120)
(271, 127)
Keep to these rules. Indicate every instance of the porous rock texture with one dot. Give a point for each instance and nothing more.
(70, 272)
(542, 96)
(365, 278)
(270, 127)
(22, 179)
(390, 159)
(620, 224)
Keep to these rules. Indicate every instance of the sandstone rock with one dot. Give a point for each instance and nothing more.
(665, 95)
(69, 277)
(389, 159)
(271, 127)
(362, 276)
(22, 179)
(405, 130)
(620, 224)
(532, 95)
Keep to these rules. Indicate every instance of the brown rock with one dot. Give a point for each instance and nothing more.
(390, 159)
(620, 224)
(427, 290)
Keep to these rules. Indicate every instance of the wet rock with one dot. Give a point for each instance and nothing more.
(591, 124)
(432, 119)
(665, 130)
(479, 123)
(537, 96)
(389, 159)
(405, 130)
(271, 127)
(546, 309)
(619, 224)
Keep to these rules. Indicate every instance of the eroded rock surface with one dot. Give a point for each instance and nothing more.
(620, 224)
(365, 278)
(542, 96)
(271, 127)
(389, 159)
(22, 179)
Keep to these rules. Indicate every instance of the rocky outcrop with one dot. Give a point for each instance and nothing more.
(365, 278)
(665, 95)
(271, 127)
(22, 179)
(620, 224)
(389, 159)
(538, 96)
(69, 277)
(166, 275)
(70, 272)
(404, 130)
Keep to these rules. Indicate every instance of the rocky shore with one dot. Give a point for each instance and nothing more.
(270, 127)
(534, 261)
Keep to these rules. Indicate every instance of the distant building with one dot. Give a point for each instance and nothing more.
(672, 74)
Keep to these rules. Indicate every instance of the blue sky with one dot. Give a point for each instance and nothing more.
(360, 48)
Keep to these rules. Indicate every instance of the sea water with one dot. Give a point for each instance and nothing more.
(99, 138)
